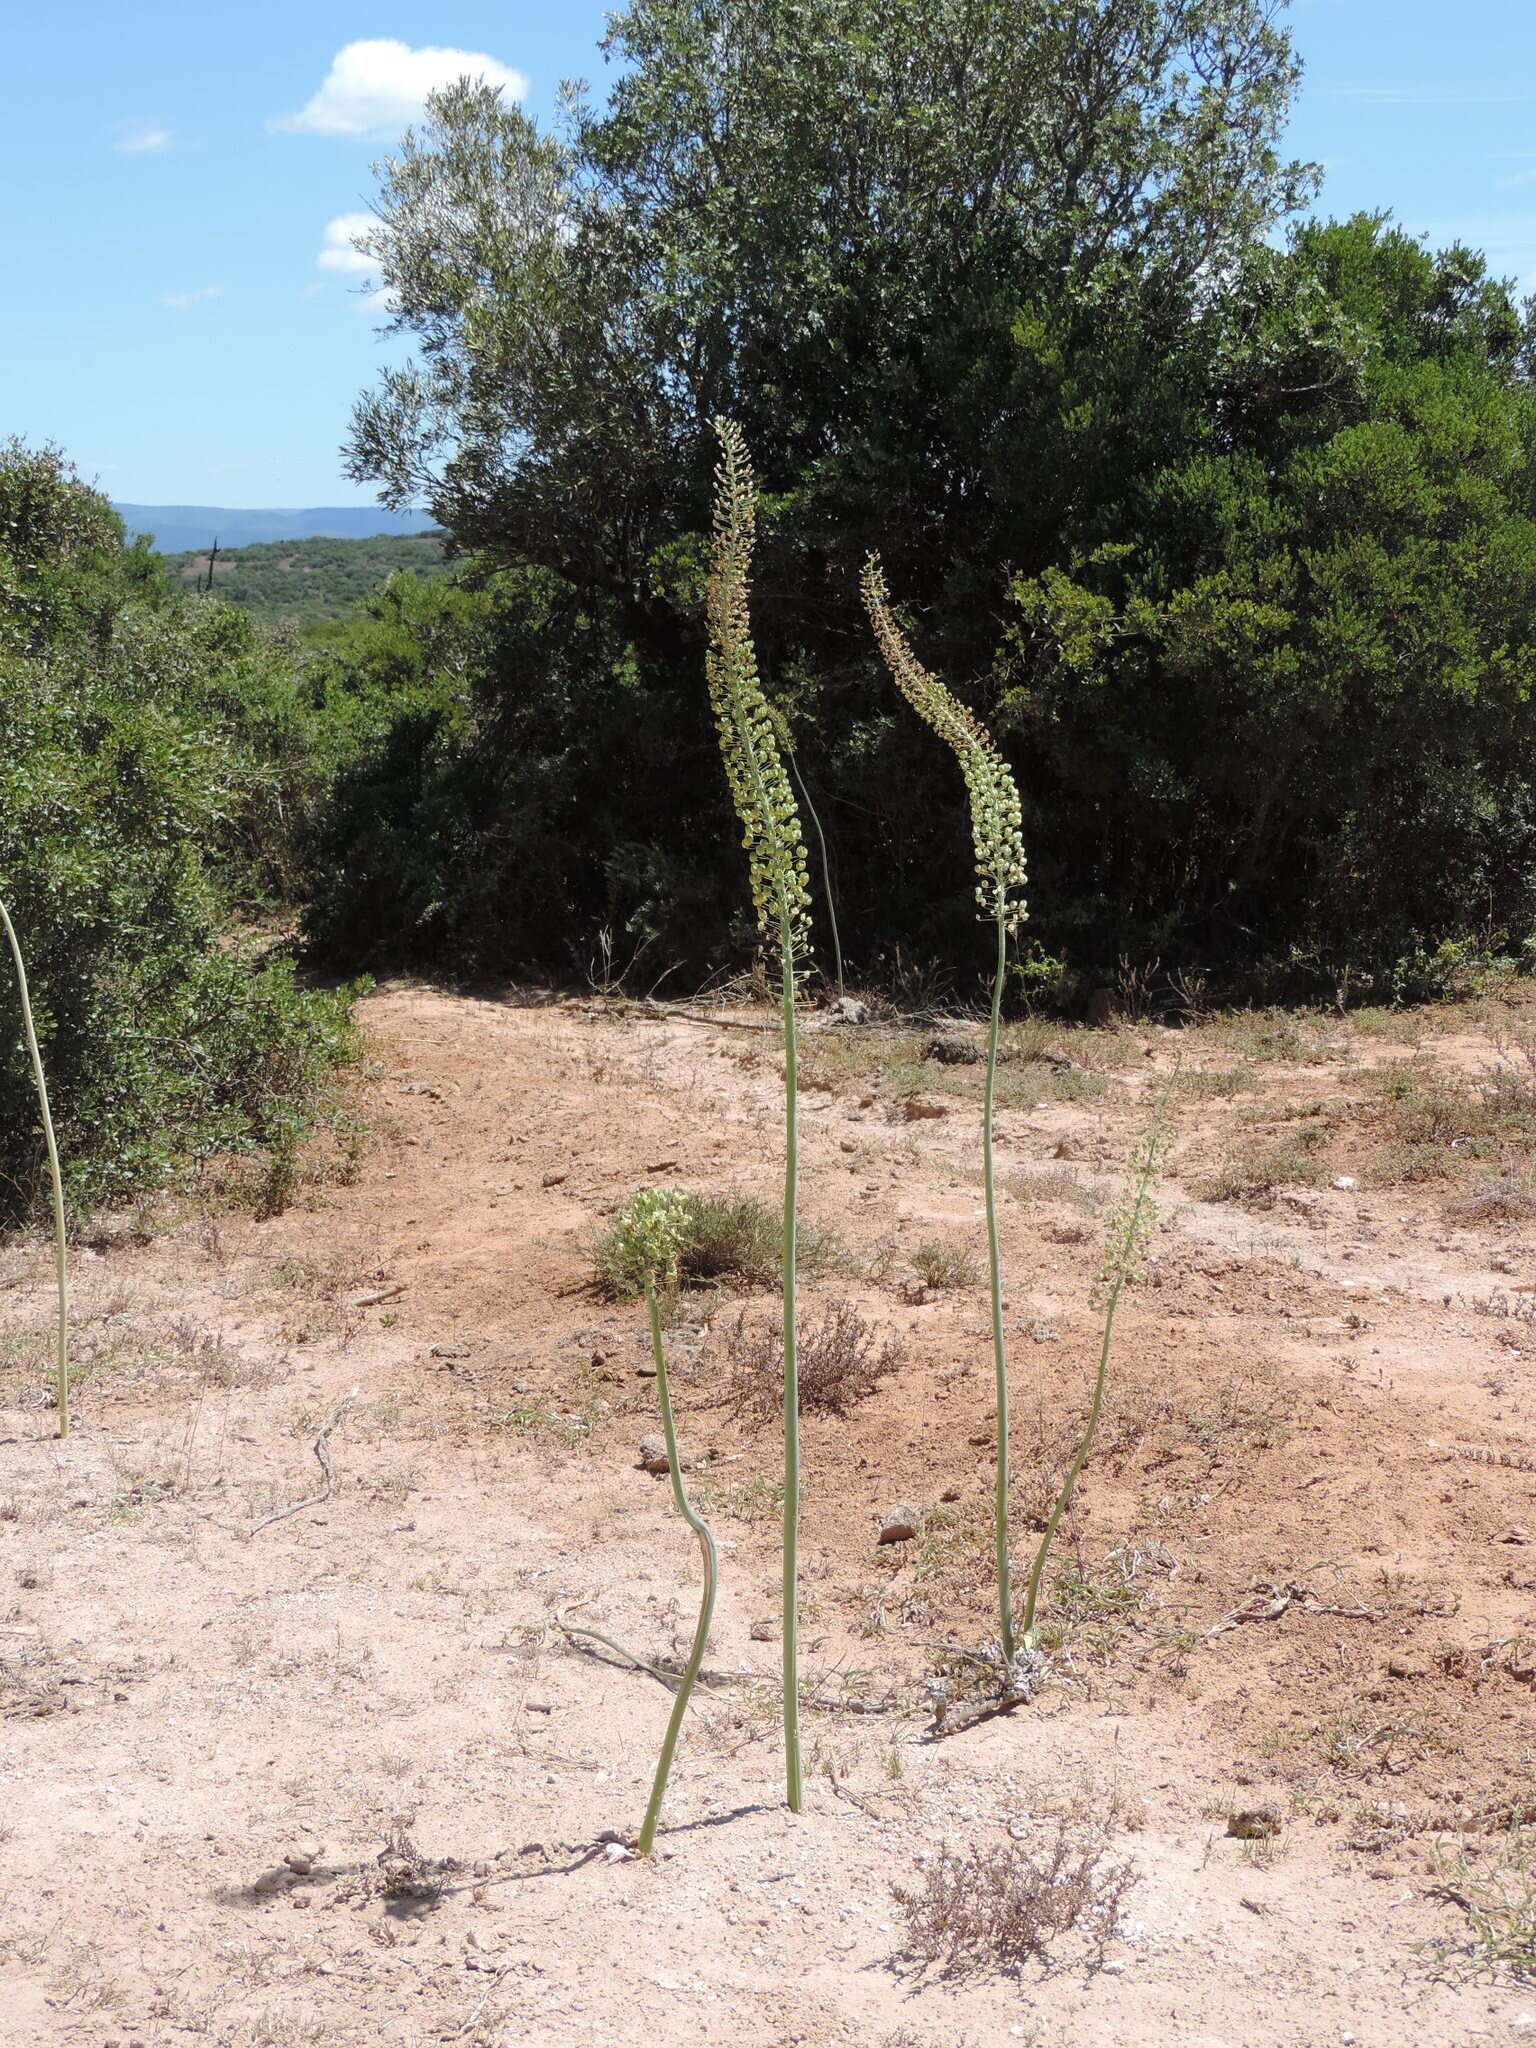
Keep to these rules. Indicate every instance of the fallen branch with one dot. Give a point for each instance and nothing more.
(322, 1451)
(379, 1294)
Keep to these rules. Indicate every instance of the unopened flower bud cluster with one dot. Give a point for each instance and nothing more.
(996, 817)
(749, 735)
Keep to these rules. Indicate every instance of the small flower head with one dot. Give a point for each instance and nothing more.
(1130, 1226)
(648, 1238)
(750, 730)
(996, 817)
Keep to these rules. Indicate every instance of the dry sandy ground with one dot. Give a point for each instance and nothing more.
(187, 1703)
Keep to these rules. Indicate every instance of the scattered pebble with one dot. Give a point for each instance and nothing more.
(902, 1523)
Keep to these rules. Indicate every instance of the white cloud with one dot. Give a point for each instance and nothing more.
(380, 86)
(337, 247)
(181, 302)
(339, 253)
(143, 138)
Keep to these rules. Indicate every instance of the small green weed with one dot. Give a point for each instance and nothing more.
(723, 1237)
(944, 1267)
(1497, 1892)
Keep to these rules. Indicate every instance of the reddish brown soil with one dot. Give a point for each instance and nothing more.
(186, 1702)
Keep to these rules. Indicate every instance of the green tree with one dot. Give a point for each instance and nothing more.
(817, 218)
(1295, 691)
(130, 768)
(1226, 540)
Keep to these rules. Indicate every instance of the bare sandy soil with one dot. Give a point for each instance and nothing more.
(1286, 1584)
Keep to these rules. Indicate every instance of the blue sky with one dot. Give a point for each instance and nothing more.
(170, 172)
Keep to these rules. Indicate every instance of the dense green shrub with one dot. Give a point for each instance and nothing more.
(1231, 543)
(130, 778)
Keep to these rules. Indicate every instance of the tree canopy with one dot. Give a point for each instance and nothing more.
(1227, 527)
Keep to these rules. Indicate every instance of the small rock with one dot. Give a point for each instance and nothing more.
(618, 1852)
(1254, 1823)
(848, 1010)
(553, 1180)
(1345, 1181)
(951, 1050)
(763, 1632)
(653, 1454)
(902, 1523)
(303, 1857)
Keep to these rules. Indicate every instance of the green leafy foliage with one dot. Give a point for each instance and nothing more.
(1229, 544)
(306, 582)
(131, 772)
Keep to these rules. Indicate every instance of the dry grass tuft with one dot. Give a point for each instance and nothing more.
(945, 1266)
(843, 1358)
(1496, 1888)
(1509, 1199)
(999, 1908)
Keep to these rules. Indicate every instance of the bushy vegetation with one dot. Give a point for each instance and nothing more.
(138, 759)
(1231, 544)
(305, 582)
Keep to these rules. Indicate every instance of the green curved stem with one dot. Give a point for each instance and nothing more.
(793, 1774)
(61, 1369)
(1121, 1260)
(1069, 1484)
(999, 1343)
(700, 1529)
(826, 867)
(795, 1783)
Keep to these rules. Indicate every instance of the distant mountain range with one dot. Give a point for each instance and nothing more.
(179, 527)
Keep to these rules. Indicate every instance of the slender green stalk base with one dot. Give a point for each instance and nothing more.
(61, 1369)
(999, 1343)
(1135, 1219)
(1069, 1484)
(700, 1529)
(826, 872)
(794, 1777)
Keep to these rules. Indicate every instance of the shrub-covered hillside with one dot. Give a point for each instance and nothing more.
(305, 581)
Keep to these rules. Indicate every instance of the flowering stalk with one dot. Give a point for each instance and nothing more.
(61, 1368)
(656, 1222)
(754, 764)
(996, 830)
(1125, 1244)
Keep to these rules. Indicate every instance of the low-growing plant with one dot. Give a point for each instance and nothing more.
(61, 1246)
(1497, 1892)
(722, 1237)
(1509, 1199)
(996, 830)
(1000, 1907)
(1252, 1174)
(655, 1221)
(752, 745)
(944, 1266)
(843, 1358)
